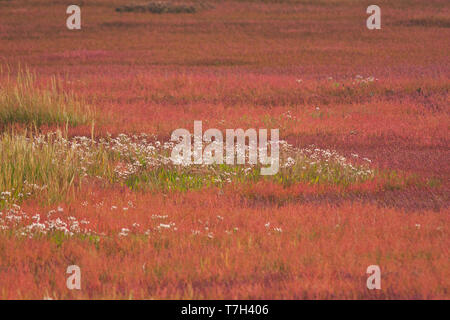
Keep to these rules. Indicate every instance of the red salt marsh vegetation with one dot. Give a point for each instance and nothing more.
(86, 116)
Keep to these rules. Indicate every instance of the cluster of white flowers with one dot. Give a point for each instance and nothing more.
(134, 229)
(289, 162)
(359, 79)
(157, 216)
(24, 224)
(327, 157)
(134, 152)
(326, 162)
(124, 232)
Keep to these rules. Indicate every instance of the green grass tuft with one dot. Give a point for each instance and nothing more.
(23, 101)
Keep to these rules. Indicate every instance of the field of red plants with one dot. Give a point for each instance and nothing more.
(364, 116)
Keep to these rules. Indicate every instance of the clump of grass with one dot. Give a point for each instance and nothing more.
(51, 165)
(29, 166)
(159, 7)
(47, 166)
(23, 101)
